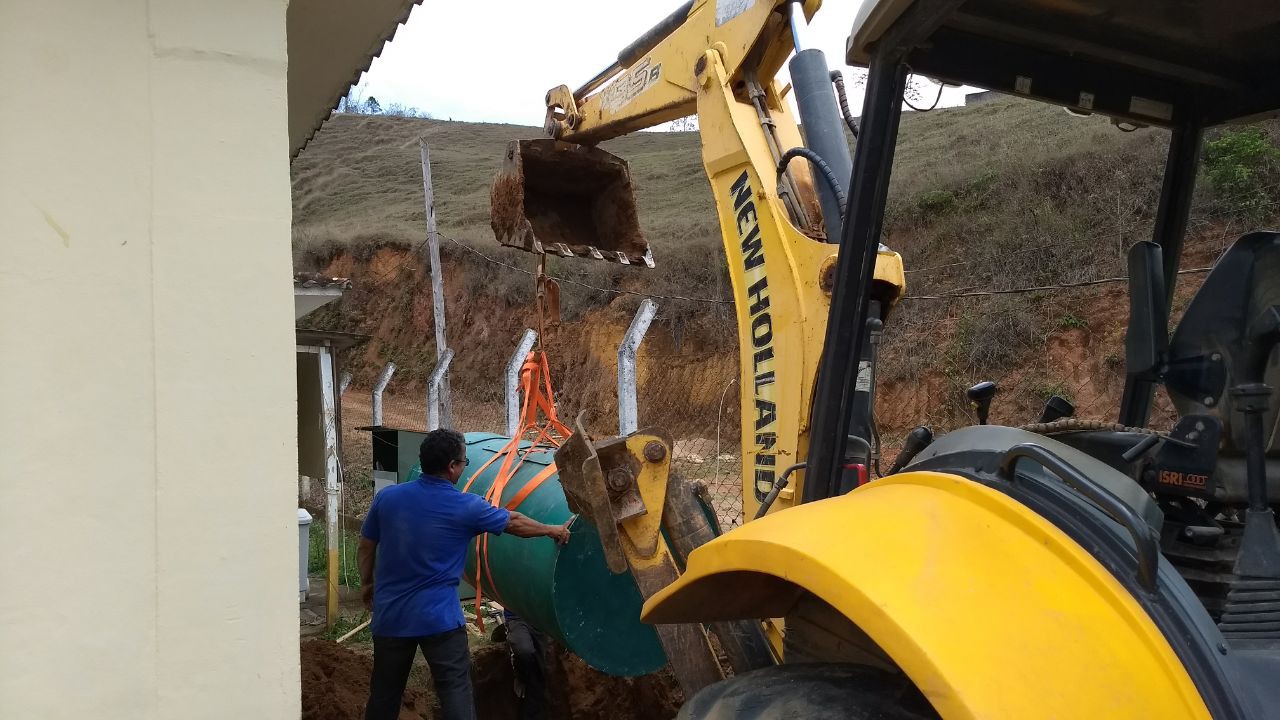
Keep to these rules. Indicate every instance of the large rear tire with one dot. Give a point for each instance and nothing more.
(813, 691)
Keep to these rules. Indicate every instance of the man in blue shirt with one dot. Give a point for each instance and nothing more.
(413, 547)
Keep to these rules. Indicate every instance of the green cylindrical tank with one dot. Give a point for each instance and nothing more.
(565, 591)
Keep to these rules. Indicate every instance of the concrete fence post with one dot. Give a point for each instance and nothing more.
(343, 383)
(332, 470)
(628, 411)
(383, 378)
(513, 380)
(437, 279)
(435, 400)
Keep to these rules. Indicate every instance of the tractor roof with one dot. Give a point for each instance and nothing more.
(1156, 62)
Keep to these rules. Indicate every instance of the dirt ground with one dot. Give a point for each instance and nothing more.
(335, 684)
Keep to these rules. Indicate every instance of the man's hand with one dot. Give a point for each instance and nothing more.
(524, 526)
(366, 595)
(560, 533)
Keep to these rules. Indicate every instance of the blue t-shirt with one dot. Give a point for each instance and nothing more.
(422, 529)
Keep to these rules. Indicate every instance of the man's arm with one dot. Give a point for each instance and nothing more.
(522, 525)
(366, 557)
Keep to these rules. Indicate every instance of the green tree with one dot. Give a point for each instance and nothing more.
(1242, 168)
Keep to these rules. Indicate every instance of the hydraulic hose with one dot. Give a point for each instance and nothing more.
(816, 160)
(776, 490)
(838, 78)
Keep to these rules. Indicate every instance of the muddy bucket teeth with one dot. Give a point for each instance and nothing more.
(560, 198)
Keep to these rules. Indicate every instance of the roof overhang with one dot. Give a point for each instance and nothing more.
(306, 337)
(330, 43)
(1145, 61)
(311, 291)
(307, 301)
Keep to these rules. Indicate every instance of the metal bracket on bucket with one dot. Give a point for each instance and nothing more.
(620, 486)
(584, 488)
(569, 200)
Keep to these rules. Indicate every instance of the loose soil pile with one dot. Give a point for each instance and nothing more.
(335, 685)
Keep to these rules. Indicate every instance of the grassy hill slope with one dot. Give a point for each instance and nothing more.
(1005, 195)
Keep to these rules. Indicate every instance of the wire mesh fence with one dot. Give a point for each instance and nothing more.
(1067, 343)
(700, 411)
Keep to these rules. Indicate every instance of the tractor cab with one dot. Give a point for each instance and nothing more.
(1184, 518)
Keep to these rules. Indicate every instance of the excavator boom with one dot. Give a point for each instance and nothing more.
(563, 195)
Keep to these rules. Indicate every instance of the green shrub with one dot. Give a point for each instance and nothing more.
(1048, 388)
(318, 560)
(981, 182)
(1072, 322)
(936, 202)
(1241, 168)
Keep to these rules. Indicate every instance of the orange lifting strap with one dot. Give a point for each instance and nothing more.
(547, 434)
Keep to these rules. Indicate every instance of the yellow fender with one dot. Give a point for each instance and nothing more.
(991, 610)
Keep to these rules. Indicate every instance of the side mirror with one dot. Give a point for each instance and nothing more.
(1146, 343)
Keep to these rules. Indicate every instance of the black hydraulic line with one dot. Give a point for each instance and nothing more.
(823, 169)
(936, 100)
(777, 488)
(861, 442)
(838, 79)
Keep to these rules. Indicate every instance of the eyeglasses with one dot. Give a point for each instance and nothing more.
(464, 461)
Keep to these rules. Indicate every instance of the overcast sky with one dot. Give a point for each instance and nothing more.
(494, 60)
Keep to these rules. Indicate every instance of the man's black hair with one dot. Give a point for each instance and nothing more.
(439, 448)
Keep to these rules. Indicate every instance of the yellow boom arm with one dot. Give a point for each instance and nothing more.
(719, 61)
(655, 79)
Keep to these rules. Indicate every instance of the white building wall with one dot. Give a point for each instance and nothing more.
(147, 426)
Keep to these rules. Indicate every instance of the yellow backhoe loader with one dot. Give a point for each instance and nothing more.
(1063, 569)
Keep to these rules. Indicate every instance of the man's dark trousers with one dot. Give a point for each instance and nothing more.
(449, 658)
(527, 649)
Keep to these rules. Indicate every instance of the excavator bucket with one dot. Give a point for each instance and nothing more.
(568, 200)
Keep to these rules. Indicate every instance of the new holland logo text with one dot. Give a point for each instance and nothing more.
(766, 411)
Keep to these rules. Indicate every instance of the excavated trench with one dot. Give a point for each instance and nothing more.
(335, 684)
